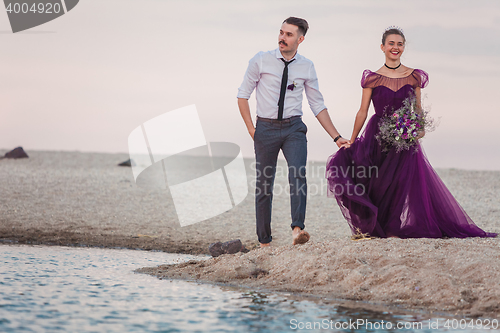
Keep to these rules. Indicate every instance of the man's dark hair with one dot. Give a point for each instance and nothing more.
(300, 23)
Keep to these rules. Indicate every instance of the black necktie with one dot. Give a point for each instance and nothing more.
(284, 80)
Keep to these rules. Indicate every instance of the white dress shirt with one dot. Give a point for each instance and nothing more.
(264, 72)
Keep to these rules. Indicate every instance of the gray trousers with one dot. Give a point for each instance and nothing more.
(270, 136)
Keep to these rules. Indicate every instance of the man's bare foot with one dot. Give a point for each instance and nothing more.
(262, 245)
(300, 236)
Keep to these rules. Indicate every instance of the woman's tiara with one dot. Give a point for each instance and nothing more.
(394, 27)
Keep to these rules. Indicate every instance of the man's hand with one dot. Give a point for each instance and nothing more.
(252, 133)
(341, 142)
(245, 114)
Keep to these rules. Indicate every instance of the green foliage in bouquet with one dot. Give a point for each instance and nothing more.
(400, 129)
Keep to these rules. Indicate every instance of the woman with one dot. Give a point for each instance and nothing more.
(383, 191)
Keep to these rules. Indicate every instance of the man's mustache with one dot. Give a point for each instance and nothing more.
(282, 42)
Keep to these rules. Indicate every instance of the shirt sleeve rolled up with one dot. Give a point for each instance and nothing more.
(251, 78)
(314, 96)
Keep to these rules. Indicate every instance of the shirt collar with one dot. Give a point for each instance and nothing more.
(280, 56)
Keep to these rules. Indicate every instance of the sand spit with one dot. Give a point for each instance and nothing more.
(457, 276)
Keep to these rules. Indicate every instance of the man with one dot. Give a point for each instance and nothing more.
(280, 76)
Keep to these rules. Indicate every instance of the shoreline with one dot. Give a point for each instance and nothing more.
(258, 276)
(365, 305)
(36, 236)
(459, 277)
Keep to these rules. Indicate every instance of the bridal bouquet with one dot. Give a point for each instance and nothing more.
(400, 129)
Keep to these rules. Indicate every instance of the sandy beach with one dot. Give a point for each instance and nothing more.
(72, 198)
(85, 199)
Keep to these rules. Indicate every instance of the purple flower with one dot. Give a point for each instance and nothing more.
(292, 86)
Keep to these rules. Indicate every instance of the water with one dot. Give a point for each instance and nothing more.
(62, 289)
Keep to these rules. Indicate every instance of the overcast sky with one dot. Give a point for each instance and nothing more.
(85, 80)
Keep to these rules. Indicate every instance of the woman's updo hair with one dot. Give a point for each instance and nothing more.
(392, 31)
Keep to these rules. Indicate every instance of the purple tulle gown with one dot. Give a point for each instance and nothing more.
(389, 193)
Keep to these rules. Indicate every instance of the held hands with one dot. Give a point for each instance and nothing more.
(343, 143)
(420, 135)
